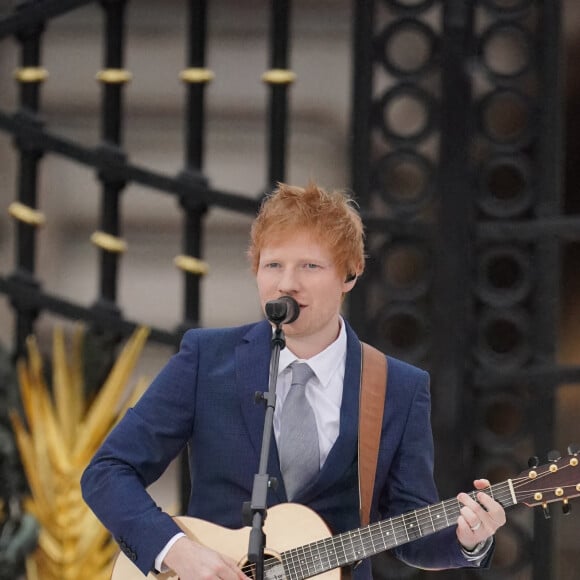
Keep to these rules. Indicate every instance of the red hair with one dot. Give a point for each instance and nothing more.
(330, 216)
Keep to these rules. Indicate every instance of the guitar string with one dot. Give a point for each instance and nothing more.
(303, 557)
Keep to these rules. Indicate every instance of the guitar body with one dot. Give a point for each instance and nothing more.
(287, 526)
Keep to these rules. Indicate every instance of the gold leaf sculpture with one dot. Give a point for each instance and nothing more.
(56, 441)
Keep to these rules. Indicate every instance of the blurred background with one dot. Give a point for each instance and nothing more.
(456, 126)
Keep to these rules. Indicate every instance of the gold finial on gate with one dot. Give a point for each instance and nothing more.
(26, 214)
(191, 265)
(114, 76)
(196, 75)
(31, 74)
(109, 242)
(279, 76)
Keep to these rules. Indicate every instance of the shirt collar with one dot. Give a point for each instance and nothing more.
(325, 363)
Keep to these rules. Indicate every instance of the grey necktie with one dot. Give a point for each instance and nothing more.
(298, 440)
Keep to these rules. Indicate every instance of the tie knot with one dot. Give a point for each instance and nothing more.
(301, 374)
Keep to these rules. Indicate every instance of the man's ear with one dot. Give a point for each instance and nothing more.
(349, 282)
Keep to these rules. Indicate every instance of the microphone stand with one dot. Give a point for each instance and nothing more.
(255, 513)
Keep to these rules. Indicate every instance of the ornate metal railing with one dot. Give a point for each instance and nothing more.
(455, 159)
(460, 161)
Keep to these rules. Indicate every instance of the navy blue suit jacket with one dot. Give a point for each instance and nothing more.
(204, 398)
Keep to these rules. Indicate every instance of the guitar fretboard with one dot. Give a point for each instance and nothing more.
(349, 547)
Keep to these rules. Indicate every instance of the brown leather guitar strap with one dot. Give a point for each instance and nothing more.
(373, 390)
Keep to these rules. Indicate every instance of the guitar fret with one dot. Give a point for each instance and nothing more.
(328, 552)
(344, 548)
(394, 536)
(379, 528)
(299, 562)
(289, 567)
(425, 522)
(360, 552)
(412, 528)
(431, 517)
(439, 524)
(372, 541)
(316, 563)
(307, 561)
(357, 544)
(339, 550)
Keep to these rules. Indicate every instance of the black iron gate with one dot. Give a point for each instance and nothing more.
(459, 167)
(456, 159)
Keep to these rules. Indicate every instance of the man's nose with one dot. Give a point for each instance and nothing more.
(289, 281)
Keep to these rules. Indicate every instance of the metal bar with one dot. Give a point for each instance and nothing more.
(452, 309)
(194, 116)
(111, 138)
(122, 169)
(362, 98)
(548, 254)
(36, 13)
(34, 299)
(545, 227)
(278, 102)
(28, 168)
(195, 208)
(548, 374)
(360, 144)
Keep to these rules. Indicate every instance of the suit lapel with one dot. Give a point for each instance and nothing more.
(252, 375)
(252, 363)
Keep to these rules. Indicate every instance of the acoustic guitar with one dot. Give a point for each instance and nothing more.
(300, 544)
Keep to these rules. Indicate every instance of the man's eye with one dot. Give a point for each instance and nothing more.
(311, 266)
(272, 265)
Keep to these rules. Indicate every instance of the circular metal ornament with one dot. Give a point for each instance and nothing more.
(404, 180)
(403, 331)
(505, 189)
(502, 416)
(406, 48)
(504, 276)
(505, 51)
(506, 118)
(502, 338)
(406, 270)
(406, 114)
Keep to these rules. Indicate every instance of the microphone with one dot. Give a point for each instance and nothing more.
(283, 310)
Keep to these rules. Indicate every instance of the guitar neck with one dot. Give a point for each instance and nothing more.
(349, 547)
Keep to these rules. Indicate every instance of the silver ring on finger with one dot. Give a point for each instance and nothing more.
(476, 526)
